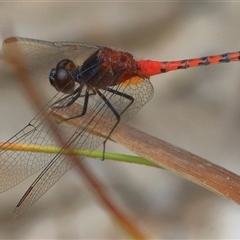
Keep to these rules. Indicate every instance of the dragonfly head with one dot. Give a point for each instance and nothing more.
(61, 78)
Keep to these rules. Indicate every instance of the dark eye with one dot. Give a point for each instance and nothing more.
(61, 79)
(67, 64)
(52, 77)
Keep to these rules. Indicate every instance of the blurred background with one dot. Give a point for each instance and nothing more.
(195, 109)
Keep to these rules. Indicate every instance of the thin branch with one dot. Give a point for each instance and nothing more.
(163, 154)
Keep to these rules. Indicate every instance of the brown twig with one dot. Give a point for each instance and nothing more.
(175, 159)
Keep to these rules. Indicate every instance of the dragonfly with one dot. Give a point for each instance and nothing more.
(106, 82)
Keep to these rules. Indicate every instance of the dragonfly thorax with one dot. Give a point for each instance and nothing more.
(106, 68)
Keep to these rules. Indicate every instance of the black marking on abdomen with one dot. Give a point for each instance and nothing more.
(225, 58)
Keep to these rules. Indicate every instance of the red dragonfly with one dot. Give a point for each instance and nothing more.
(104, 81)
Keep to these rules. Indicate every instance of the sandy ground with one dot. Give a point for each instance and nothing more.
(196, 109)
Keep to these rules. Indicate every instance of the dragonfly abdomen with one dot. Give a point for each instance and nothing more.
(147, 68)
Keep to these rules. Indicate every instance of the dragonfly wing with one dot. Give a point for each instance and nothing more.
(59, 165)
(41, 56)
(81, 138)
(84, 137)
(16, 165)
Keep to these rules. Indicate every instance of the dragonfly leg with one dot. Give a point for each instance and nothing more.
(121, 94)
(117, 115)
(85, 105)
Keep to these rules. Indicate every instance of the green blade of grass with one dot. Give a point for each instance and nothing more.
(92, 154)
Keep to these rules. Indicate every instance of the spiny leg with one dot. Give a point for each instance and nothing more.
(84, 109)
(122, 94)
(111, 107)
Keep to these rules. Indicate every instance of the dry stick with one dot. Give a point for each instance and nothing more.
(14, 59)
(175, 159)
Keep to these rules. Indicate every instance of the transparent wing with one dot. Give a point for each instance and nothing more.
(80, 137)
(18, 165)
(42, 55)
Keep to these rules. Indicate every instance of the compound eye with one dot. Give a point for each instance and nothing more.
(52, 76)
(66, 64)
(61, 79)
